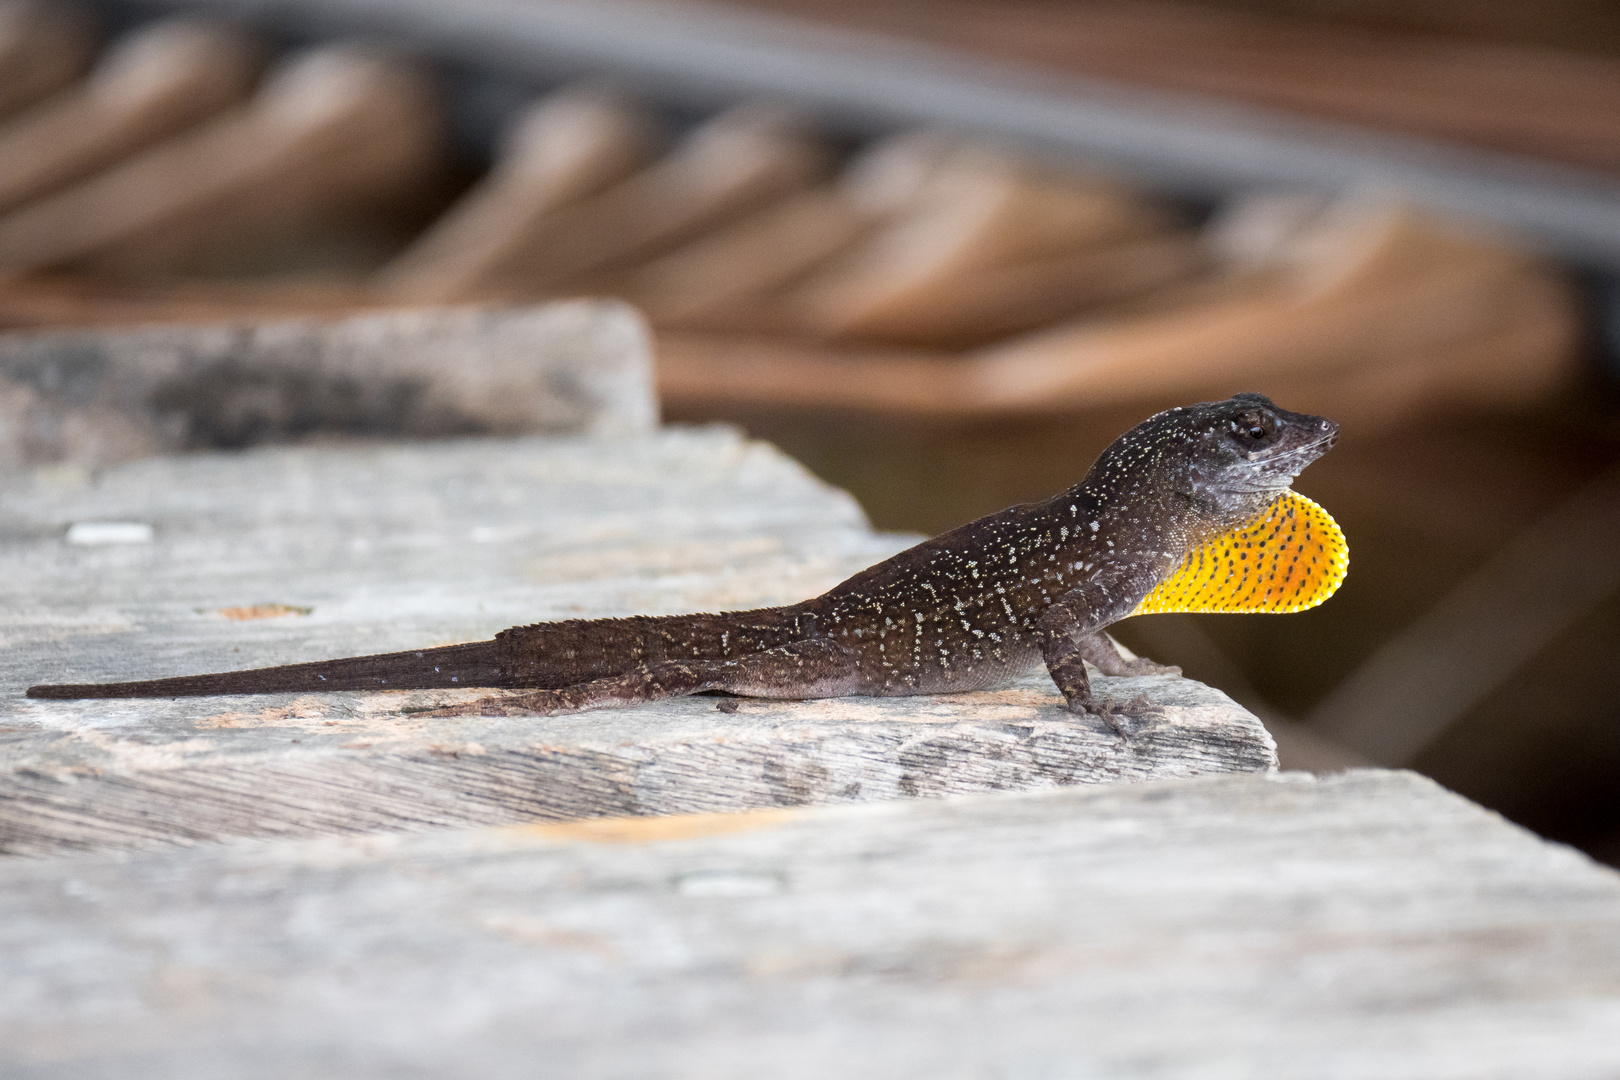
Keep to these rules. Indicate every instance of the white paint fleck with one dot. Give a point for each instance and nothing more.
(96, 533)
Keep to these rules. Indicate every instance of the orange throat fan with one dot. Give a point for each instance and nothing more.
(1292, 557)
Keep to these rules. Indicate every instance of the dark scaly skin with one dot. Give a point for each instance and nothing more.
(1036, 582)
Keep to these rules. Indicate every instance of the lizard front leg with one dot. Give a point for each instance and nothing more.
(1070, 633)
(801, 669)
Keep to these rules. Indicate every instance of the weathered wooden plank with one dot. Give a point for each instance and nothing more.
(97, 397)
(1363, 925)
(92, 778)
(360, 550)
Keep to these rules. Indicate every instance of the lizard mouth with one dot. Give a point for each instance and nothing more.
(1276, 471)
(1325, 443)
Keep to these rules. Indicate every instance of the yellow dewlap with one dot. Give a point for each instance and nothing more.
(1291, 558)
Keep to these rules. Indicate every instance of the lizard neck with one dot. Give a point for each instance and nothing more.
(1149, 524)
(1152, 498)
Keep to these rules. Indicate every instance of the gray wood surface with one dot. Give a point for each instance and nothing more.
(90, 398)
(1364, 925)
(365, 549)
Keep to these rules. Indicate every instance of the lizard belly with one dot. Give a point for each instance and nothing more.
(973, 667)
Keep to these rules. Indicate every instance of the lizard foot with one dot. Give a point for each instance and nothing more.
(1124, 718)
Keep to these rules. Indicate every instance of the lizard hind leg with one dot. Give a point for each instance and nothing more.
(1103, 653)
(802, 669)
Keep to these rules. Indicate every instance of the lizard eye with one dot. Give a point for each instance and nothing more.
(1252, 427)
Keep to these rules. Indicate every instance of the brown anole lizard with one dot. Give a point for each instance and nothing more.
(1188, 511)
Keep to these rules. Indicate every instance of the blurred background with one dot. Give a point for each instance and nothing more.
(943, 252)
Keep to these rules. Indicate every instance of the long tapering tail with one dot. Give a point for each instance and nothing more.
(479, 663)
(543, 656)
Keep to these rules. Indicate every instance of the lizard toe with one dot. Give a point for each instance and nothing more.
(1130, 716)
(1149, 667)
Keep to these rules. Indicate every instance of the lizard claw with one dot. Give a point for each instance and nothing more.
(1089, 708)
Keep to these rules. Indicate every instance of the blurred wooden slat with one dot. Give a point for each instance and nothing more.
(722, 280)
(43, 47)
(1587, 26)
(974, 307)
(1554, 104)
(728, 167)
(565, 148)
(734, 276)
(979, 210)
(158, 81)
(336, 130)
(1378, 305)
(71, 300)
(1382, 313)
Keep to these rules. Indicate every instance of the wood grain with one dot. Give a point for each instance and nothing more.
(1368, 924)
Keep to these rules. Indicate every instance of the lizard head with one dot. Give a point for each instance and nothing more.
(1246, 449)
(1251, 544)
(1228, 458)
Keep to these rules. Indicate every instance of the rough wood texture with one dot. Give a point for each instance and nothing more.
(286, 555)
(1364, 925)
(95, 397)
